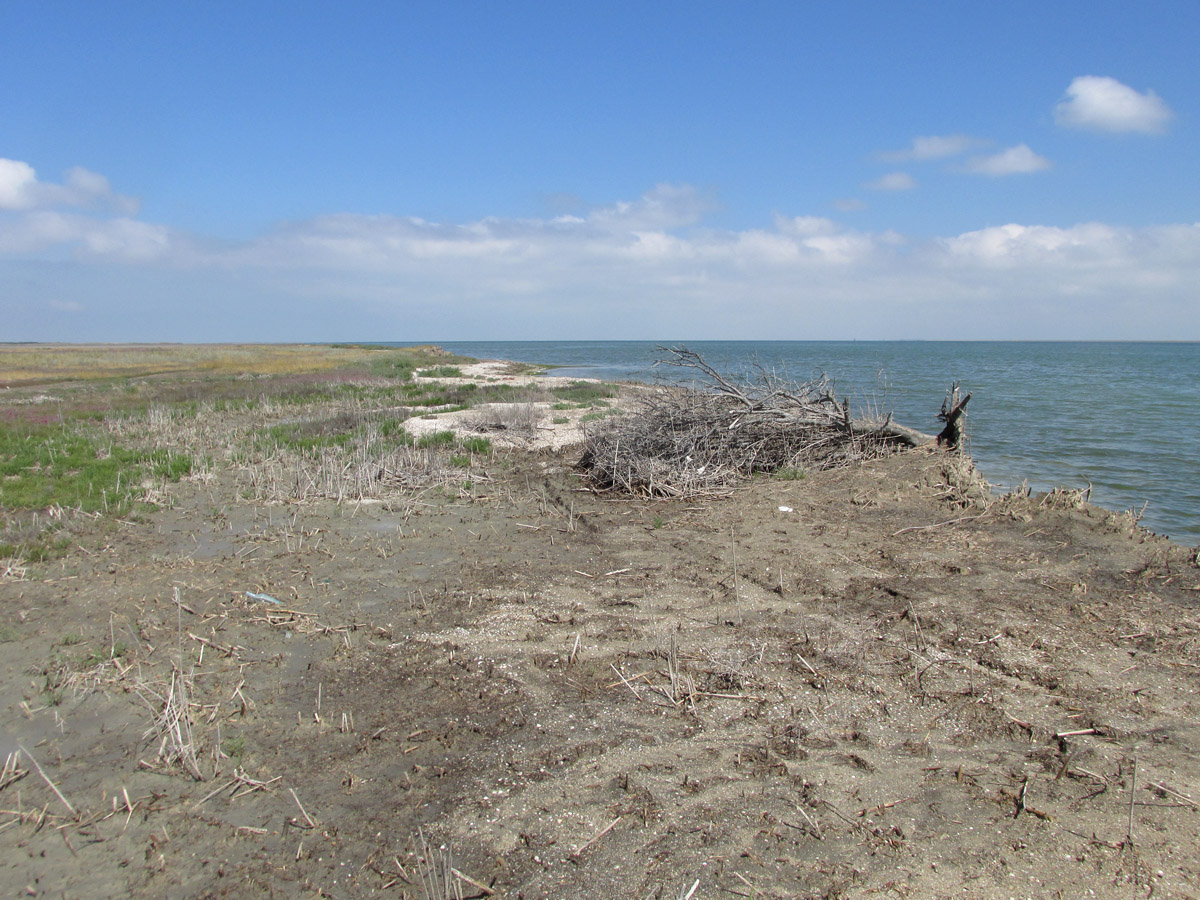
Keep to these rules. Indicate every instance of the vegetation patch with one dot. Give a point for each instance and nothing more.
(436, 439)
(71, 467)
(441, 372)
(584, 392)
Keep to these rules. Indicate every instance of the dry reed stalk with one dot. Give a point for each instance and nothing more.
(46, 778)
(173, 724)
(13, 569)
(312, 823)
(12, 770)
(436, 872)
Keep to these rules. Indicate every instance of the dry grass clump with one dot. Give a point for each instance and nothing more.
(366, 472)
(963, 484)
(514, 419)
(683, 441)
(13, 568)
(173, 722)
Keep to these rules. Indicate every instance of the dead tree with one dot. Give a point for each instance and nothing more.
(683, 440)
(954, 410)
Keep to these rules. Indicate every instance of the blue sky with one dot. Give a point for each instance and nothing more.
(401, 171)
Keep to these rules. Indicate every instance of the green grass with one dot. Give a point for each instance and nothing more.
(597, 415)
(584, 392)
(74, 467)
(436, 439)
(402, 363)
(234, 747)
(305, 437)
(789, 474)
(96, 657)
(476, 445)
(42, 547)
(441, 372)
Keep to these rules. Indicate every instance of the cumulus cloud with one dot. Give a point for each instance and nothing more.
(1017, 244)
(120, 238)
(666, 206)
(934, 147)
(18, 184)
(20, 189)
(1099, 103)
(647, 266)
(804, 274)
(1018, 160)
(892, 181)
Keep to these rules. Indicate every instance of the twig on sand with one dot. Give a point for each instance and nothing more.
(599, 834)
(939, 524)
(812, 823)
(1178, 796)
(46, 778)
(1082, 731)
(625, 682)
(1132, 794)
(309, 819)
(471, 881)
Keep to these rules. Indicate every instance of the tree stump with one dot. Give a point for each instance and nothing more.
(954, 410)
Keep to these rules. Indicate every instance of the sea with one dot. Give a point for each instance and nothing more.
(1121, 418)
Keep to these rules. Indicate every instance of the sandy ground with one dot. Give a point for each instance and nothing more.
(871, 682)
(543, 433)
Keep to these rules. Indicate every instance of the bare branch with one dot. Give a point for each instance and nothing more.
(686, 441)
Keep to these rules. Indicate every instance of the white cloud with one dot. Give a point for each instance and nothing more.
(18, 184)
(1018, 160)
(120, 238)
(934, 147)
(1100, 103)
(1017, 244)
(666, 206)
(20, 189)
(647, 266)
(892, 181)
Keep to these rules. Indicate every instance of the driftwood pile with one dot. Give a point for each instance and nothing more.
(683, 441)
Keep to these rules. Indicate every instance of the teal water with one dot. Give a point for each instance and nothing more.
(1122, 417)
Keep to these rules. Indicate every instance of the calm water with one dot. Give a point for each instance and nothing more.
(1123, 417)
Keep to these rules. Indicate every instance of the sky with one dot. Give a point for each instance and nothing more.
(402, 171)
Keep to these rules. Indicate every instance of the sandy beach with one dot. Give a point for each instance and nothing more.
(309, 671)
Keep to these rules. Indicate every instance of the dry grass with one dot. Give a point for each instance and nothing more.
(34, 363)
(13, 569)
(173, 724)
(372, 472)
(519, 419)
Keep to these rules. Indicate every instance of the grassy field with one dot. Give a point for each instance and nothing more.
(24, 364)
(90, 430)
